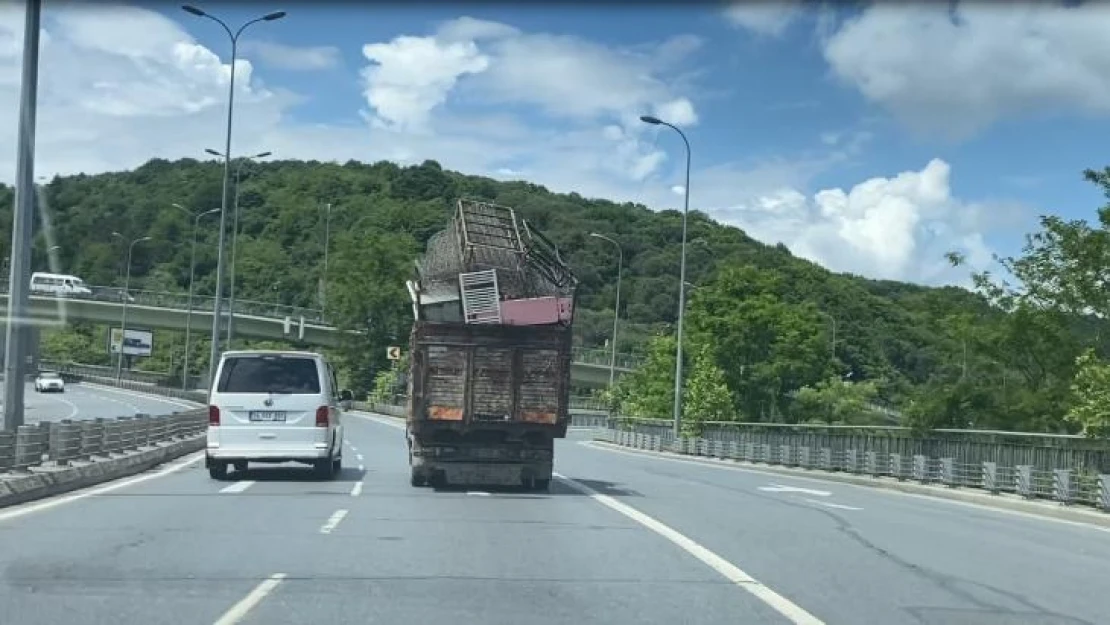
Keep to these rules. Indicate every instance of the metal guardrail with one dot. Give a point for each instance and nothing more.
(180, 301)
(1027, 474)
(56, 444)
(601, 357)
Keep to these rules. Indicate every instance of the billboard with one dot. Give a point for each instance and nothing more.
(136, 343)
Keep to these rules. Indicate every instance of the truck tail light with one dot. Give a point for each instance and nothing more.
(322, 417)
(213, 415)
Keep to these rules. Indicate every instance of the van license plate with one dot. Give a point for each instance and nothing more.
(261, 415)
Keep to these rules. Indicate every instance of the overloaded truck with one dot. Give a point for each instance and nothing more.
(490, 352)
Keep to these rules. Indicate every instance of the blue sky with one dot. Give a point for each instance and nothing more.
(871, 140)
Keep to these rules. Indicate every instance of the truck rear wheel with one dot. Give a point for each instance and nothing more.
(416, 478)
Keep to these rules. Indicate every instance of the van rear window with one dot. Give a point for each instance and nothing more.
(269, 374)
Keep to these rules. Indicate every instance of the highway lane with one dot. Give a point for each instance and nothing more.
(853, 554)
(90, 401)
(277, 546)
(366, 547)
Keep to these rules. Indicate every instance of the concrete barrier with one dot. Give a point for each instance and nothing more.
(49, 482)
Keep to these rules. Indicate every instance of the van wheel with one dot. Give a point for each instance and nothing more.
(337, 465)
(416, 478)
(217, 470)
(325, 469)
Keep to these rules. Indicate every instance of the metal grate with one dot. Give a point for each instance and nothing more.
(480, 298)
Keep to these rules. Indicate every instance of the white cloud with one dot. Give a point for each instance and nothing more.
(956, 72)
(294, 58)
(463, 97)
(764, 18)
(895, 228)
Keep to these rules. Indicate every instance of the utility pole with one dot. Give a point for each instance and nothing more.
(15, 348)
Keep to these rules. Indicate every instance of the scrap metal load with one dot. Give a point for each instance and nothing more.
(489, 267)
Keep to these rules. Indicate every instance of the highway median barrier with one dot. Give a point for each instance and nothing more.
(52, 458)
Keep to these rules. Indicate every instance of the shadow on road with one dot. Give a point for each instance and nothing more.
(558, 488)
(291, 473)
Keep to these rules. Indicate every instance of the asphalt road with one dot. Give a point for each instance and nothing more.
(623, 539)
(88, 401)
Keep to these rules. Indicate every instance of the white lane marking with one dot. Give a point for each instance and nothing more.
(874, 490)
(45, 504)
(778, 488)
(369, 416)
(237, 487)
(829, 504)
(333, 521)
(356, 490)
(253, 598)
(73, 409)
(477, 493)
(782, 605)
(183, 403)
(359, 456)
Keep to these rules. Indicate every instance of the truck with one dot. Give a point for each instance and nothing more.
(489, 353)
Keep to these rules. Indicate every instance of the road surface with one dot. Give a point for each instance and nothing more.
(89, 401)
(622, 539)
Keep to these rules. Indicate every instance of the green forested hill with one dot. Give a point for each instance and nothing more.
(900, 337)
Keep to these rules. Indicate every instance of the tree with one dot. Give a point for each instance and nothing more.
(366, 293)
(837, 401)
(706, 396)
(1090, 410)
(767, 347)
(648, 392)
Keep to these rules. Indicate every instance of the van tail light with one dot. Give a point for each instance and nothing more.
(213, 415)
(322, 417)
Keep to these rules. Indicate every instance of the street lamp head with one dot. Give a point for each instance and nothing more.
(262, 154)
(116, 234)
(594, 234)
(192, 9)
(648, 119)
(142, 239)
(276, 15)
(209, 212)
(213, 152)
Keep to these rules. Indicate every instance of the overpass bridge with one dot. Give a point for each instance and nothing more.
(253, 319)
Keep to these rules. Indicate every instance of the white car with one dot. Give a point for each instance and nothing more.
(49, 382)
(275, 406)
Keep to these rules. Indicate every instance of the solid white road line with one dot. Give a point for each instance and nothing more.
(253, 598)
(356, 490)
(73, 409)
(782, 605)
(183, 403)
(237, 487)
(333, 521)
(45, 504)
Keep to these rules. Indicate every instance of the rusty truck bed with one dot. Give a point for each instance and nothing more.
(467, 377)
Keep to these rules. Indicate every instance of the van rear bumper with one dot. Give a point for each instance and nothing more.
(296, 454)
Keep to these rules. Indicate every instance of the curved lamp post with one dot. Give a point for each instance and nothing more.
(235, 237)
(655, 121)
(123, 315)
(214, 352)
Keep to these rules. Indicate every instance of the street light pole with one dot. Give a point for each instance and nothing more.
(327, 244)
(648, 119)
(189, 306)
(235, 237)
(616, 307)
(214, 351)
(123, 315)
(15, 347)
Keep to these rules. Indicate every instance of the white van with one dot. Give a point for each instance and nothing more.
(275, 406)
(58, 284)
